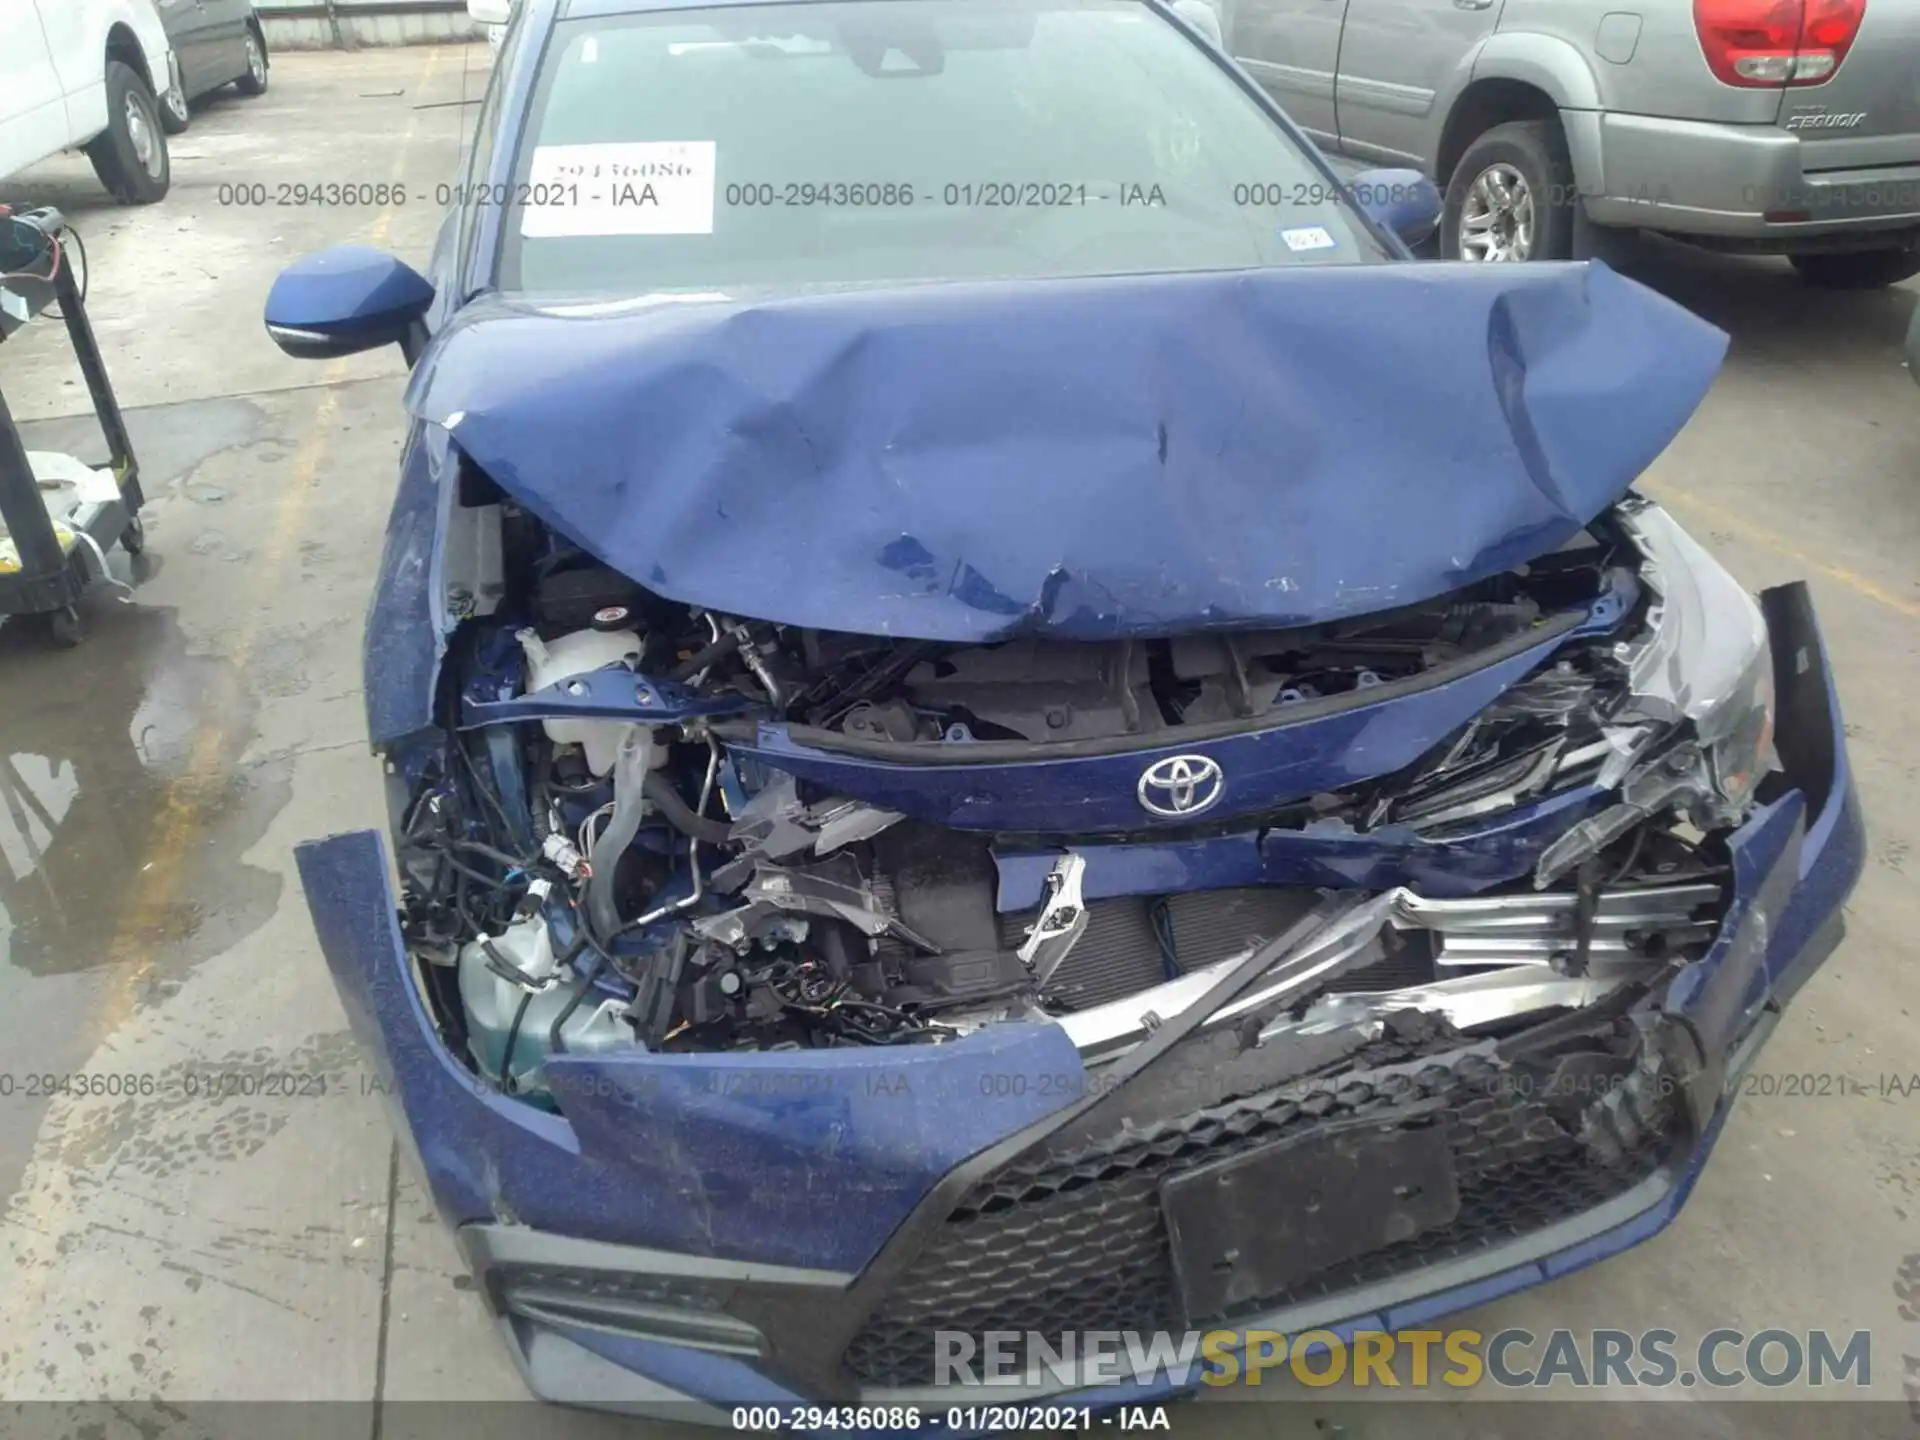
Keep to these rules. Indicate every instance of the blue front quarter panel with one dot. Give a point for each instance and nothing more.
(403, 645)
(807, 1159)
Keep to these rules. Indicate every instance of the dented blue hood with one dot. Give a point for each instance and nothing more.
(1083, 459)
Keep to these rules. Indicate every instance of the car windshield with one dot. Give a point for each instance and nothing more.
(901, 140)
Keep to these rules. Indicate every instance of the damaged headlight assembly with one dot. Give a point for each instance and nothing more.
(1696, 733)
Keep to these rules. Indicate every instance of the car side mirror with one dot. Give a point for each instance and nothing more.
(345, 300)
(490, 12)
(1403, 201)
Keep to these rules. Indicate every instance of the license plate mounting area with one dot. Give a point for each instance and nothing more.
(1256, 1224)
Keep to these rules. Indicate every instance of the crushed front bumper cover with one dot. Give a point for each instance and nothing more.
(697, 1231)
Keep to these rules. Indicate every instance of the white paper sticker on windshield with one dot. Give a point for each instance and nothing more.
(1307, 237)
(646, 187)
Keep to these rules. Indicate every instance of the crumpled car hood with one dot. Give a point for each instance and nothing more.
(1083, 459)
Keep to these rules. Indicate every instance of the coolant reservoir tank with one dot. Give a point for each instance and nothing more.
(551, 661)
(497, 1007)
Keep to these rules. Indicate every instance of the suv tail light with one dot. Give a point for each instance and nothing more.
(1766, 44)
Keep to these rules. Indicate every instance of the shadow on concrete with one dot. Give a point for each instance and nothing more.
(1764, 305)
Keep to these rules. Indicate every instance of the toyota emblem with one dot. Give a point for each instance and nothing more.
(1181, 785)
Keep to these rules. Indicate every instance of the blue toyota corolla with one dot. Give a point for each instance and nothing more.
(1001, 717)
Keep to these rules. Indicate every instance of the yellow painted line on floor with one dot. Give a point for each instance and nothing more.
(1738, 524)
(175, 834)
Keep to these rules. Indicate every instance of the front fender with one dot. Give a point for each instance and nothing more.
(407, 622)
(1552, 66)
(154, 44)
(143, 19)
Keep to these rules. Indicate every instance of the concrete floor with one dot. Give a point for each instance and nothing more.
(165, 1252)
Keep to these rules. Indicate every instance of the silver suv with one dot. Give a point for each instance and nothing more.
(1772, 126)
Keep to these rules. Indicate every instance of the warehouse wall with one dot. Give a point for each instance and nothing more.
(347, 24)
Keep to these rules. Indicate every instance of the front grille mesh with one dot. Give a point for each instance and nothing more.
(1077, 1242)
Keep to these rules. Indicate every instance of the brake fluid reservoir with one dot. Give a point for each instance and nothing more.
(551, 661)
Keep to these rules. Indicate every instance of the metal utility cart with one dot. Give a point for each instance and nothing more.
(55, 528)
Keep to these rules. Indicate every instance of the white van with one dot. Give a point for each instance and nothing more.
(83, 75)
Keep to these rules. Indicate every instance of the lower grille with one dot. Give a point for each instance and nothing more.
(1077, 1242)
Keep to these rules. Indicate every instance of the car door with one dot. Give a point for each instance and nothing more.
(33, 112)
(1291, 47)
(227, 37)
(188, 27)
(1397, 59)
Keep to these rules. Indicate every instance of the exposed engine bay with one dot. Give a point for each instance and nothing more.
(596, 852)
